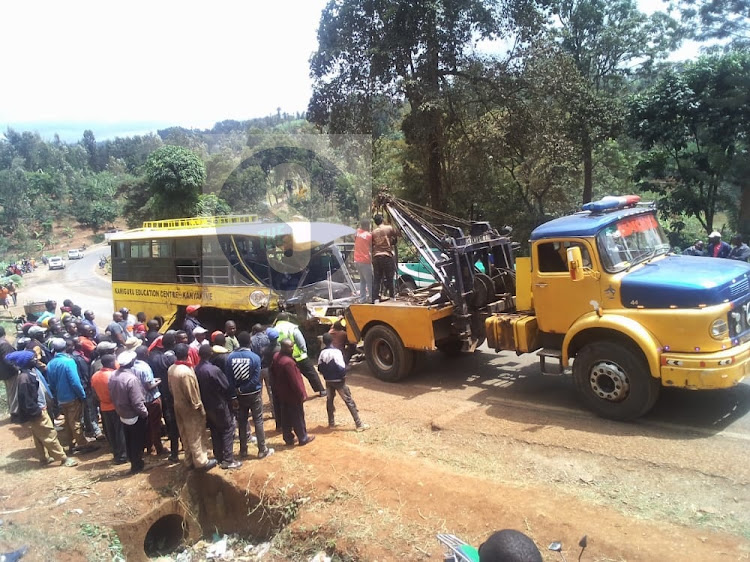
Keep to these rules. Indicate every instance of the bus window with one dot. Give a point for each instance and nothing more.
(119, 249)
(211, 247)
(140, 249)
(161, 248)
(187, 247)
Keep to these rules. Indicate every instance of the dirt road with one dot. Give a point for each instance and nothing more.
(465, 446)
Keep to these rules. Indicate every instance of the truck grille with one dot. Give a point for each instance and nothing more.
(739, 319)
(740, 288)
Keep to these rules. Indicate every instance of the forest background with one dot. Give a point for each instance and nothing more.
(582, 103)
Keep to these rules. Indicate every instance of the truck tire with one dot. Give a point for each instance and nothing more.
(614, 380)
(386, 355)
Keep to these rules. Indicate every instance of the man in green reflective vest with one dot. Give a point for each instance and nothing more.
(290, 331)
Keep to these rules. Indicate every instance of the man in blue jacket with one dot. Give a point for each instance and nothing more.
(243, 374)
(66, 388)
(331, 365)
(717, 248)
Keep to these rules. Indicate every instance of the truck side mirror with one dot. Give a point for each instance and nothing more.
(575, 263)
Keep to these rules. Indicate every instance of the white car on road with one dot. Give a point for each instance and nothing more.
(56, 262)
(75, 254)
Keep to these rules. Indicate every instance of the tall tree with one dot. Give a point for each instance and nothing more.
(15, 205)
(89, 143)
(175, 176)
(211, 205)
(726, 20)
(94, 202)
(509, 157)
(400, 50)
(607, 40)
(694, 124)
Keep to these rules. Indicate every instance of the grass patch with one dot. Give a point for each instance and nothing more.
(3, 401)
(105, 542)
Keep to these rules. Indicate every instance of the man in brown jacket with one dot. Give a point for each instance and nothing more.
(383, 261)
(188, 409)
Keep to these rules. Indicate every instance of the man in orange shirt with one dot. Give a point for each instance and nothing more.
(113, 428)
(384, 266)
(363, 261)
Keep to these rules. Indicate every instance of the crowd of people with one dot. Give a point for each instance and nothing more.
(145, 392)
(24, 266)
(717, 248)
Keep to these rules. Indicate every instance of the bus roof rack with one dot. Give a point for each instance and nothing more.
(199, 222)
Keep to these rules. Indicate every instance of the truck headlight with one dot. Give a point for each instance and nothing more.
(736, 319)
(258, 299)
(719, 329)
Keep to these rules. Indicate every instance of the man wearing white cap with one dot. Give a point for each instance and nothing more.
(199, 333)
(716, 247)
(126, 393)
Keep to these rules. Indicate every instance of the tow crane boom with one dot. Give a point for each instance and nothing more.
(471, 261)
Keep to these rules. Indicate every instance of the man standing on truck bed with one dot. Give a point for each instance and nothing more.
(363, 261)
(383, 263)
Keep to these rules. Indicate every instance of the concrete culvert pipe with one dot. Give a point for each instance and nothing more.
(166, 535)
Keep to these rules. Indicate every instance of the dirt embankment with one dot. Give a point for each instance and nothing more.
(378, 495)
(464, 447)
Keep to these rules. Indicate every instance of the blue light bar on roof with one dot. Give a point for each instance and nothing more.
(612, 202)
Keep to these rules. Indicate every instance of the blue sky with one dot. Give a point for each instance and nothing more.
(124, 68)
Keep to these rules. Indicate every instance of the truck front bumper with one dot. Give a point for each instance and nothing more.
(700, 371)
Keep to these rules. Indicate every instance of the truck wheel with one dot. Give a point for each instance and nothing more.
(386, 355)
(614, 381)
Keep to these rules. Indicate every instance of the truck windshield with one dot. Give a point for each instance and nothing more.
(629, 241)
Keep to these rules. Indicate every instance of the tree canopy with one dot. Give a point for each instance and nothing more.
(513, 111)
(694, 125)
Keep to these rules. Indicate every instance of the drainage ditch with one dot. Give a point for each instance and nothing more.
(207, 504)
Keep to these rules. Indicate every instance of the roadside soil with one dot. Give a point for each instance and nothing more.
(444, 454)
(76, 237)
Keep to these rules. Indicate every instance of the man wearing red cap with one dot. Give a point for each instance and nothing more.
(191, 321)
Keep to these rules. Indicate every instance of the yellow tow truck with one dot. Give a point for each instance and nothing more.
(600, 294)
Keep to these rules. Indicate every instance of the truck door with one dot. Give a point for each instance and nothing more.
(558, 300)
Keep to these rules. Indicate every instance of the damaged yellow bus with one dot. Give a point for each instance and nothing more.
(235, 267)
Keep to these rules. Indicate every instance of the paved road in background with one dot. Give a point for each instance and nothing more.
(79, 281)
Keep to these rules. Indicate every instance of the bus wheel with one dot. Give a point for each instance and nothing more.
(614, 380)
(386, 355)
